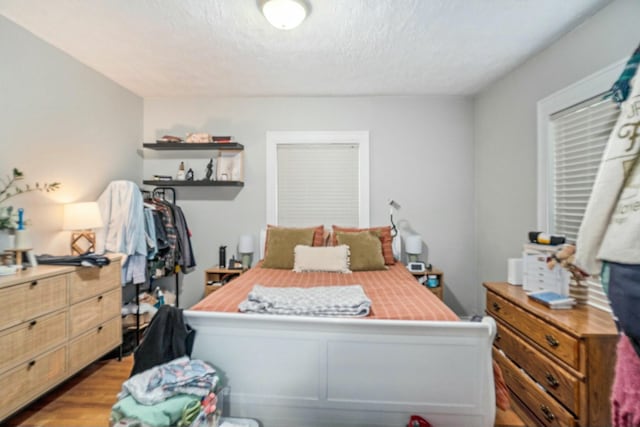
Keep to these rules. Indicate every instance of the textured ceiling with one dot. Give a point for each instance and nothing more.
(180, 48)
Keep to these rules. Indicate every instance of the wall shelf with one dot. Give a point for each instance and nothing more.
(192, 146)
(197, 183)
(228, 163)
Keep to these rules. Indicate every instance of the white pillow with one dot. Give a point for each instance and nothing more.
(333, 259)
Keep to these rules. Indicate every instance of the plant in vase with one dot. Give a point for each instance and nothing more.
(11, 186)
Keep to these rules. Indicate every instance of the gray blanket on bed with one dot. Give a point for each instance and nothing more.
(316, 301)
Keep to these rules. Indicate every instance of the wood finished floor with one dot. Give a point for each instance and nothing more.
(86, 399)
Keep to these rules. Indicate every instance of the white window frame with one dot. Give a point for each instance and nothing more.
(360, 138)
(586, 88)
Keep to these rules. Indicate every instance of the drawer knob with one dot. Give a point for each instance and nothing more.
(548, 415)
(31, 364)
(32, 323)
(100, 298)
(551, 380)
(496, 306)
(551, 340)
(99, 328)
(498, 337)
(35, 282)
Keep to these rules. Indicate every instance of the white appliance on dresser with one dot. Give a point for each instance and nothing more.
(55, 321)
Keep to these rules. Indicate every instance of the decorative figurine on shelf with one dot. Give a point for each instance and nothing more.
(180, 175)
(209, 170)
(189, 175)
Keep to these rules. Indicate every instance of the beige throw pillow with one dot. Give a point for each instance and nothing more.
(334, 259)
(365, 250)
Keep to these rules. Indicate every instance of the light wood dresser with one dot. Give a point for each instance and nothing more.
(54, 321)
(558, 364)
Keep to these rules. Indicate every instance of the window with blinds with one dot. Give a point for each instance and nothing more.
(580, 135)
(318, 184)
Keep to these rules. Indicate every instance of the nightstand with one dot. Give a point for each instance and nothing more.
(423, 278)
(215, 275)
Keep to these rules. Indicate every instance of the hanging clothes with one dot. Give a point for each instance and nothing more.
(166, 259)
(123, 232)
(611, 223)
(173, 240)
(185, 259)
(609, 233)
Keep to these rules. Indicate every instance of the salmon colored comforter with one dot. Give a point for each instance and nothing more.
(394, 293)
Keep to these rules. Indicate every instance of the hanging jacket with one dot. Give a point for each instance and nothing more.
(121, 207)
(168, 337)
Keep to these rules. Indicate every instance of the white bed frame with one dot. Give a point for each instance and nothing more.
(288, 371)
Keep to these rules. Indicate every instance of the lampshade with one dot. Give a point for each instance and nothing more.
(245, 244)
(284, 14)
(413, 244)
(81, 216)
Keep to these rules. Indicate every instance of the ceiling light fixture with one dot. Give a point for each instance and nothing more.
(284, 14)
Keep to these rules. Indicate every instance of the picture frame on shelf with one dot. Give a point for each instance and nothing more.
(229, 166)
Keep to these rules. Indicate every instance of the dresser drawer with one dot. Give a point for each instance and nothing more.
(94, 311)
(99, 340)
(32, 338)
(541, 333)
(90, 281)
(27, 300)
(557, 381)
(549, 412)
(25, 382)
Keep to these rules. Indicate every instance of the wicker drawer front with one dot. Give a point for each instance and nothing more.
(23, 302)
(549, 412)
(556, 342)
(28, 380)
(32, 338)
(94, 311)
(87, 282)
(557, 381)
(88, 347)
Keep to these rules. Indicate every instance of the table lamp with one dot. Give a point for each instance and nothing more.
(245, 248)
(80, 218)
(413, 246)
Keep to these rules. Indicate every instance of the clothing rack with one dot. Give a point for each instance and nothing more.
(161, 193)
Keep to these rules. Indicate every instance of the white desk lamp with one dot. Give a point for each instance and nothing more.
(413, 246)
(245, 248)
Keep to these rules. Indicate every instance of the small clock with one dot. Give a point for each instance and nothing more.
(417, 267)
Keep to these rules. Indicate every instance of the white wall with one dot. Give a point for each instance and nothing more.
(505, 129)
(421, 156)
(61, 121)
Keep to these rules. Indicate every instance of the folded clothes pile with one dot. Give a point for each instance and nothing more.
(173, 394)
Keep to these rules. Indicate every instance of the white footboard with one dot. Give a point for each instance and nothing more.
(299, 371)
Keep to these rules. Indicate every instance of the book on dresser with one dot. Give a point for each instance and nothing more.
(553, 299)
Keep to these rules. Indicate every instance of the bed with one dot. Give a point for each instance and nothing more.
(412, 355)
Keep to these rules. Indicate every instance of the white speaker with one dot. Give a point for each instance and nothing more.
(514, 271)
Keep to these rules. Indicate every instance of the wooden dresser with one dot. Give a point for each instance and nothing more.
(558, 364)
(55, 321)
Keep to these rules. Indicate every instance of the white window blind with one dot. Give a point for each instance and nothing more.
(580, 134)
(318, 184)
